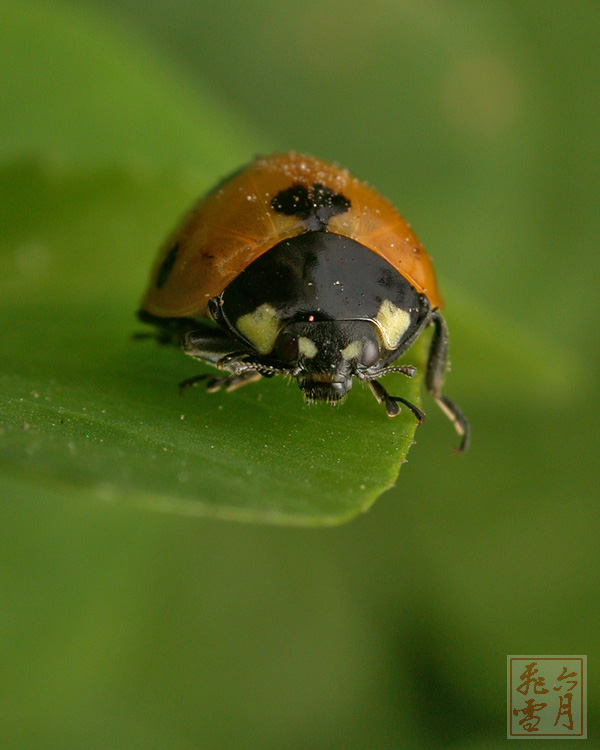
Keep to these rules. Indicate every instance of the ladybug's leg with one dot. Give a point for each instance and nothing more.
(233, 382)
(214, 384)
(407, 370)
(434, 379)
(216, 348)
(391, 402)
(213, 346)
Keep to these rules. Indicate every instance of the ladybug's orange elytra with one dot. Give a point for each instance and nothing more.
(235, 224)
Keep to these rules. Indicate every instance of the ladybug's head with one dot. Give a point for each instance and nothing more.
(325, 355)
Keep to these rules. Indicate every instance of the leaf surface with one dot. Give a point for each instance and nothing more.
(90, 410)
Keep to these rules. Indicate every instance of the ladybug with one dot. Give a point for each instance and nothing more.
(293, 266)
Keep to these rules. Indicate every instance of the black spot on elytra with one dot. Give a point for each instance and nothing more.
(167, 266)
(315, 205)
(328, 203)
(294, 201)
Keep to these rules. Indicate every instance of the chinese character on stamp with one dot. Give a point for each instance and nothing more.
(547, 696)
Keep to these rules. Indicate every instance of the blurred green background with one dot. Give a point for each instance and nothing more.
(124, 628)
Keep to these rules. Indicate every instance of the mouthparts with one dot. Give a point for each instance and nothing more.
(324, 387)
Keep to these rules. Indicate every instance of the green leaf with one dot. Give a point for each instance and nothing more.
(89, 410)
(86, 410)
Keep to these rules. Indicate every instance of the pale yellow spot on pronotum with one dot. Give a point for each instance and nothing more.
(260, 328)
(306, 347)
(352, 351)
(393, 323)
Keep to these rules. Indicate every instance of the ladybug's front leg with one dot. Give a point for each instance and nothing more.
(434, 379)
(214, 347)
(391, 402)
(215, 383)
(211, 345)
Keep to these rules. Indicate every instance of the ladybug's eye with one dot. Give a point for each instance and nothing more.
(370, 353)
(286, 347)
